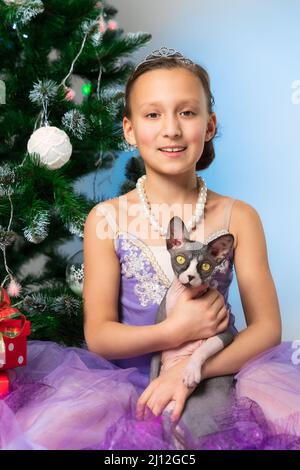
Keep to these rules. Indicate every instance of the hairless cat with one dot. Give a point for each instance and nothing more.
(194, 265)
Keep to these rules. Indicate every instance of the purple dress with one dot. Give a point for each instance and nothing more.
(70, 398)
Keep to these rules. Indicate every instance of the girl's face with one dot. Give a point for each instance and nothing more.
(169, 108)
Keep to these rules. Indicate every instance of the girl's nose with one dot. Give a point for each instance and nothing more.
(171, 127)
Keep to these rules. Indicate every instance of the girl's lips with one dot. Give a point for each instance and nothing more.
(173, 154)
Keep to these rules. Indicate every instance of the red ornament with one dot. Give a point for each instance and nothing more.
(70, 94)
(112, 25)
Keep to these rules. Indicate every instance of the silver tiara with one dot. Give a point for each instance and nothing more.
(167, 53)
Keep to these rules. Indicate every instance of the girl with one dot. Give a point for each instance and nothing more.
(79, 399)
(169, 117)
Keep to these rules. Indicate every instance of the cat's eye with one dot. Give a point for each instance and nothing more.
(180, 259)
(205, 266)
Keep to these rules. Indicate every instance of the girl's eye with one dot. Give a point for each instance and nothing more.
(184, 112)
(180, 259)
(189, 112)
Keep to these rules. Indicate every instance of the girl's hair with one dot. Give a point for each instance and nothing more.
(208, 153)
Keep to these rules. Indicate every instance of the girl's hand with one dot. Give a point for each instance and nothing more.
(194, 318)
(167, 389)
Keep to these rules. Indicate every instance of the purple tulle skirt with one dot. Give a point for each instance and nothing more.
(70, 398)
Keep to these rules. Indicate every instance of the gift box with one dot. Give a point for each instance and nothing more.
(15, 351)
(4, 384)
(14, 329)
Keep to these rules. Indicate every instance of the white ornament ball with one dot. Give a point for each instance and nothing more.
(52, 145)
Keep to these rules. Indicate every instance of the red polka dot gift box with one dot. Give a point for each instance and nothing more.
(14, 329)
(14, 348)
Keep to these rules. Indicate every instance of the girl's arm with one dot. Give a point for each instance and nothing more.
(258, 296)
(104, 334)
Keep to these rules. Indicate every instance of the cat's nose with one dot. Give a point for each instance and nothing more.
(190, 277)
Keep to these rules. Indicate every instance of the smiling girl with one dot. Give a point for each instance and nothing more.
(249, 392)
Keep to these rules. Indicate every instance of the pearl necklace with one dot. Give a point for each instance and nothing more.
(195, 219)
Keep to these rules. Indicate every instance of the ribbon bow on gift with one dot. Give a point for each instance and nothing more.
(7, 312)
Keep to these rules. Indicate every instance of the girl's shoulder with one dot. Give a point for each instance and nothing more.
(239, 207)
(130, 197)
(241, 216)
(116, 206)
(111, 212)
(113, 207)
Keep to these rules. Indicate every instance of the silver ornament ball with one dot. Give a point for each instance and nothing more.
(75, 273)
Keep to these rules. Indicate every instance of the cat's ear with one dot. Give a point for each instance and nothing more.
(177, 233)
(220, 247)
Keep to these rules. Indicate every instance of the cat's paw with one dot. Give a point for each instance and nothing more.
(192, 374)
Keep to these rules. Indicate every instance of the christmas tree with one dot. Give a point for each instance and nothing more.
(49, 139)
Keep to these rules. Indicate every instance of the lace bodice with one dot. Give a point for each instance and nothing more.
(158, 255)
